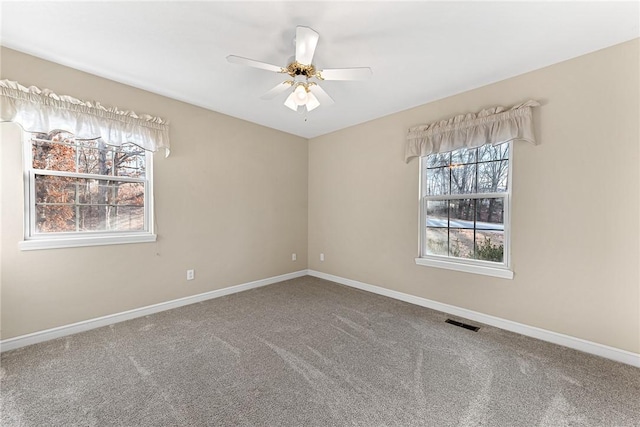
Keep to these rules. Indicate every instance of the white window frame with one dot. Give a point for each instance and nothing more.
(37, 241)
(487, 268)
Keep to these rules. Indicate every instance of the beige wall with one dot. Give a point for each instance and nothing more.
(575, 207)
(230, 201)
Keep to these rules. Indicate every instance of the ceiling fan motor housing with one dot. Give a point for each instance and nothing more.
(296, 69)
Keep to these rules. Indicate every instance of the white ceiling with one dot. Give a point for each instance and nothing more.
(419, 51)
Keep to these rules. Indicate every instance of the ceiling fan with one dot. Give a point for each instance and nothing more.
(305, 94)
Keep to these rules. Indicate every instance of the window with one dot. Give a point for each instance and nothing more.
(464, 210)
(85, 192)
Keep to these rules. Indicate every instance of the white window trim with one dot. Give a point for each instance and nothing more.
(486, 268)
(74, 242)
(458, 265)
(71, 240)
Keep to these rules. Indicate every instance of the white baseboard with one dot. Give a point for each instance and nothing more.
(601, 350)
(74, 328)
(612, 353)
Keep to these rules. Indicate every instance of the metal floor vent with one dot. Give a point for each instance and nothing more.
(463, 325)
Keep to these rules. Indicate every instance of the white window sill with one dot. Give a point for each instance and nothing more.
(503, 273)
(74, 242)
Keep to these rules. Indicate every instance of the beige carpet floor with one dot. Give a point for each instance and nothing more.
(308, 352)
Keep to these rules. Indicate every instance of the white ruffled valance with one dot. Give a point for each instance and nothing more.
(41, 110)
(490, 126)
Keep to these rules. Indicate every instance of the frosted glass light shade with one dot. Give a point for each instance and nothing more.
(300, 95)
(313, 102)
(290, 102)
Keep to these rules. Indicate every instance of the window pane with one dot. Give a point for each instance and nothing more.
(128, 193)
(88, 160)
(463, 179)
(489, 152)
(461, 213)
(98, 192)
(102, 205)
(95, 157)
(92, 218)
(437, 241)
(437, 181)
(463, 156)
(490, 214)
(52, 155)
(89, 192)
(130, 161)
(55, 218)
(461, 243)
(95, 192)
(490, 246)
(437, 213)
(111, 218)
(54, 189)
(492, 176)
(437, 160)
(128, 218)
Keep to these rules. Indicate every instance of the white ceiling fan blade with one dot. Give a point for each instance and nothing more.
(362, 73)
(252, 63)
(277, 90)
(291, 103)
(322, 96)
(306, 42)
(312, 102)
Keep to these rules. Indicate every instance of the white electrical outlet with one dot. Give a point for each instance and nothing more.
(321, 257)
(294, 257)
(191, 274)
